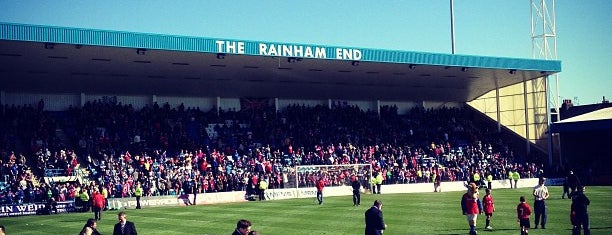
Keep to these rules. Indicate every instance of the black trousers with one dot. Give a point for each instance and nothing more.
(137, 202)
(97, 213)
(356, 197)
(540, 212)
(581, 221)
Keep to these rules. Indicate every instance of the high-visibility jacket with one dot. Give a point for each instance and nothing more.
(263, 185)
(104, 193)
(476, 177)
(84, 196)
(138, 191)
(489, 178)
(516, 176)
(379, 179)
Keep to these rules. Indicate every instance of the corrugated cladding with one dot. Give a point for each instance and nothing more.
(52, 34)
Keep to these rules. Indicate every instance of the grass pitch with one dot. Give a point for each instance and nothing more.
(422, 213)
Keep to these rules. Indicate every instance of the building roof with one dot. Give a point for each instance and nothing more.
(46, 59)
(598, 120)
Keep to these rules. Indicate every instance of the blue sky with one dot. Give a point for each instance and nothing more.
(500, 28)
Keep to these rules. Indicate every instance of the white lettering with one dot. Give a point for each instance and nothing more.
(356, 54)
(240, 47)
(6, 209)
(320, 53)
(339, 53)
(219, 46)
(286, 50)
(298, 51)
(263, 49)
(230, 47)
(272, 51)
(308, 52)
(348, 54)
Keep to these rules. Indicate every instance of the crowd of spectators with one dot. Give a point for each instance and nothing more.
(172, 151)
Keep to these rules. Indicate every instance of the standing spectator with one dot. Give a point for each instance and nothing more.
(98, 204)
(356, 185)
(375, 224)
(516, 177)
(489, 180)
(105, 196)
(84, 196)
(320, 186)
(263, 185)
(373, 184)
(471, 206)
(489, 208)
(572, 182)
(510, 176)
(243, 227)
(436, 180)
(540, 193)
(566, 188)
(379, 181)
(124, 227)
(579, 213)
(138, 194)
(51, 206)
(523, 211)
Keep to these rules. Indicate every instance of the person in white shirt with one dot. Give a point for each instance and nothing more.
(540, 194)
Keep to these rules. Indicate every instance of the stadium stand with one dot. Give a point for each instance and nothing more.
(178, 150)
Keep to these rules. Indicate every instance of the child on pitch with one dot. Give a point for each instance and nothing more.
(523, 211)
(489, 207)
(471, 206)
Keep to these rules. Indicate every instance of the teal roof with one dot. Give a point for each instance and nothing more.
(95, 37)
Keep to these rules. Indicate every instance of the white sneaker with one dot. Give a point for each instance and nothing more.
(489, 228)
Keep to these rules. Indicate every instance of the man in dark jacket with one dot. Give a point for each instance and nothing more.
(356, 185)
(124, 227)
(243, 227)
(579, 214)
(375, 225)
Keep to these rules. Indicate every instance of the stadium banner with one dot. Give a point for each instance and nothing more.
(280, 194)
(34, 209)
(221, 197)
(177, 200)
(130, 202)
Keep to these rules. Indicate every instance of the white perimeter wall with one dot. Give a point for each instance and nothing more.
(292, 193)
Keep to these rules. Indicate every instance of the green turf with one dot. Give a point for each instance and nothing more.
(424, 213)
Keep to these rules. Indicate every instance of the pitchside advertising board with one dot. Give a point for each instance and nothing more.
(287, 50)
(34, 209)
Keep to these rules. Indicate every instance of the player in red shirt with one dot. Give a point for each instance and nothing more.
(320, 185)
(523, 211)
(98, 202)
(489, 207)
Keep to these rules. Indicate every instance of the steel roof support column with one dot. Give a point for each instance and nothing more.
(527, 137)
(378, 108)
(498, 112)
(218, 104)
